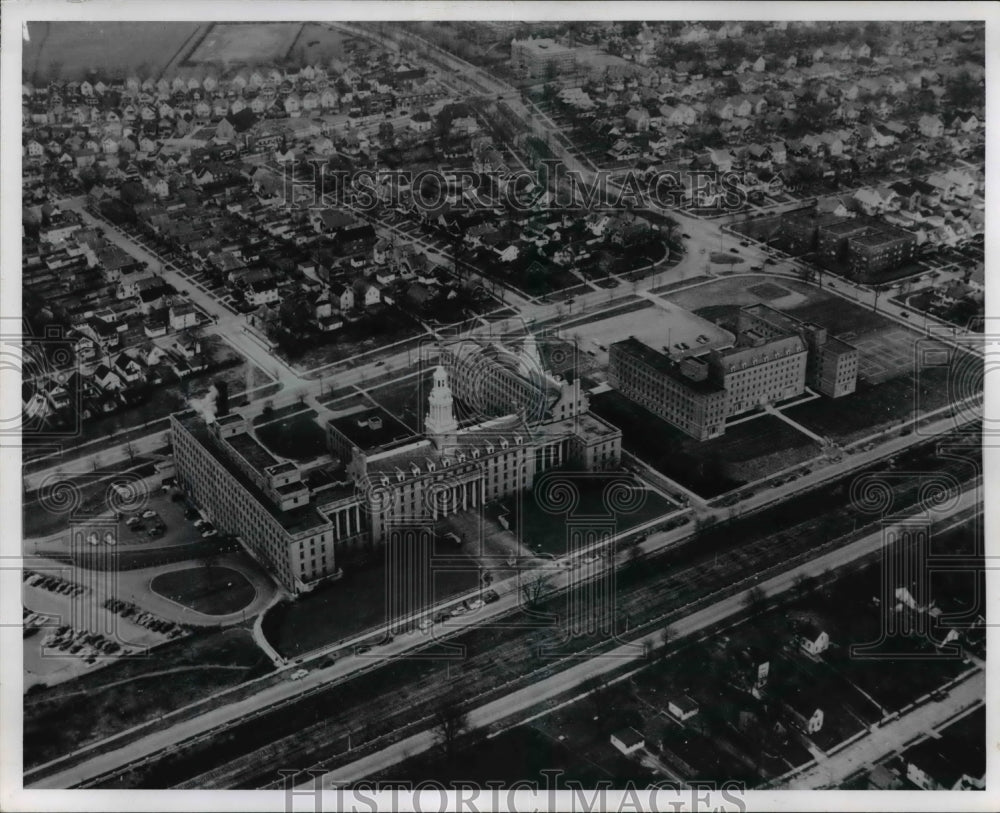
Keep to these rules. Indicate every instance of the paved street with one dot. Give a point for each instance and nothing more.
(566, 680)
(510, 598)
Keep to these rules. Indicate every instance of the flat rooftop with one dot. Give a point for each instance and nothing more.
(250, 449)
(663, 324)
(664, 364)
(294, 521)
(358, 428)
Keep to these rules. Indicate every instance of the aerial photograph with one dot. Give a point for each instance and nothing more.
(552, 405)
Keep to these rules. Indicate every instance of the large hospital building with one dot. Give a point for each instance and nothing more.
(296, 520)
(774, 358)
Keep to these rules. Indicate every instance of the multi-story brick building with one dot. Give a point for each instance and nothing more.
(538, 57)
(773, 359)
(393, 480)
(832, 366)
(879, 250)
(864, 246)
(681, 393)
(249, 493)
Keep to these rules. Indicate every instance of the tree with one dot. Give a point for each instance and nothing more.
(535, 588)
(666, 636)
(451, 723)
(755, 600)
(962, 91)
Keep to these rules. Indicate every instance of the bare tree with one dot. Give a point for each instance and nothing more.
(535, 588)
(755, 600)
(451, 723)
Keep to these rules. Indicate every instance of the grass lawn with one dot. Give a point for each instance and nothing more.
(298, 437)
(748, 451)
(840, 316)
(545, 531)
(67, 50)
(132, 690)
(360, 601)
(210, 590)
(875, 407)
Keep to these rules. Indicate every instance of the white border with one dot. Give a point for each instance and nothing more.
(15, 12)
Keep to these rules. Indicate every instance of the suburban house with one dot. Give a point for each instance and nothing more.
(682, 707)
(813, 640)
(628, 740)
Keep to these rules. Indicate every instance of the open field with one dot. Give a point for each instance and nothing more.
(318, 43)
(256, 43)
(68, 50)
(210, 590)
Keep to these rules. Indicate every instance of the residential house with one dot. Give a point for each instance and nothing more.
(106, 379)
(813, 639)
(682, 707)
(628, 741)
(182, 316)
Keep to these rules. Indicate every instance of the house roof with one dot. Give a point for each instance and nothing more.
(629, 737)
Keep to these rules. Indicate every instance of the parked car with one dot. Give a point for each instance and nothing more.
(209, 533)
(490, 596)
(148, 514)
(685, 235)
(298, 674)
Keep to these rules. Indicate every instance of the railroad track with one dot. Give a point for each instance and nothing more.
(314, 734)
(648, 604)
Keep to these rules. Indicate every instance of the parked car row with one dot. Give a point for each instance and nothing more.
(52, 583)
(143, 618)
(87, 645)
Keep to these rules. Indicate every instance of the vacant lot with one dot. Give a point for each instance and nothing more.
(209, 590)
(250, 43)
(68, 50)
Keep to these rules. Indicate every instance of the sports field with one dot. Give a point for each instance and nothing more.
(251, 43)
